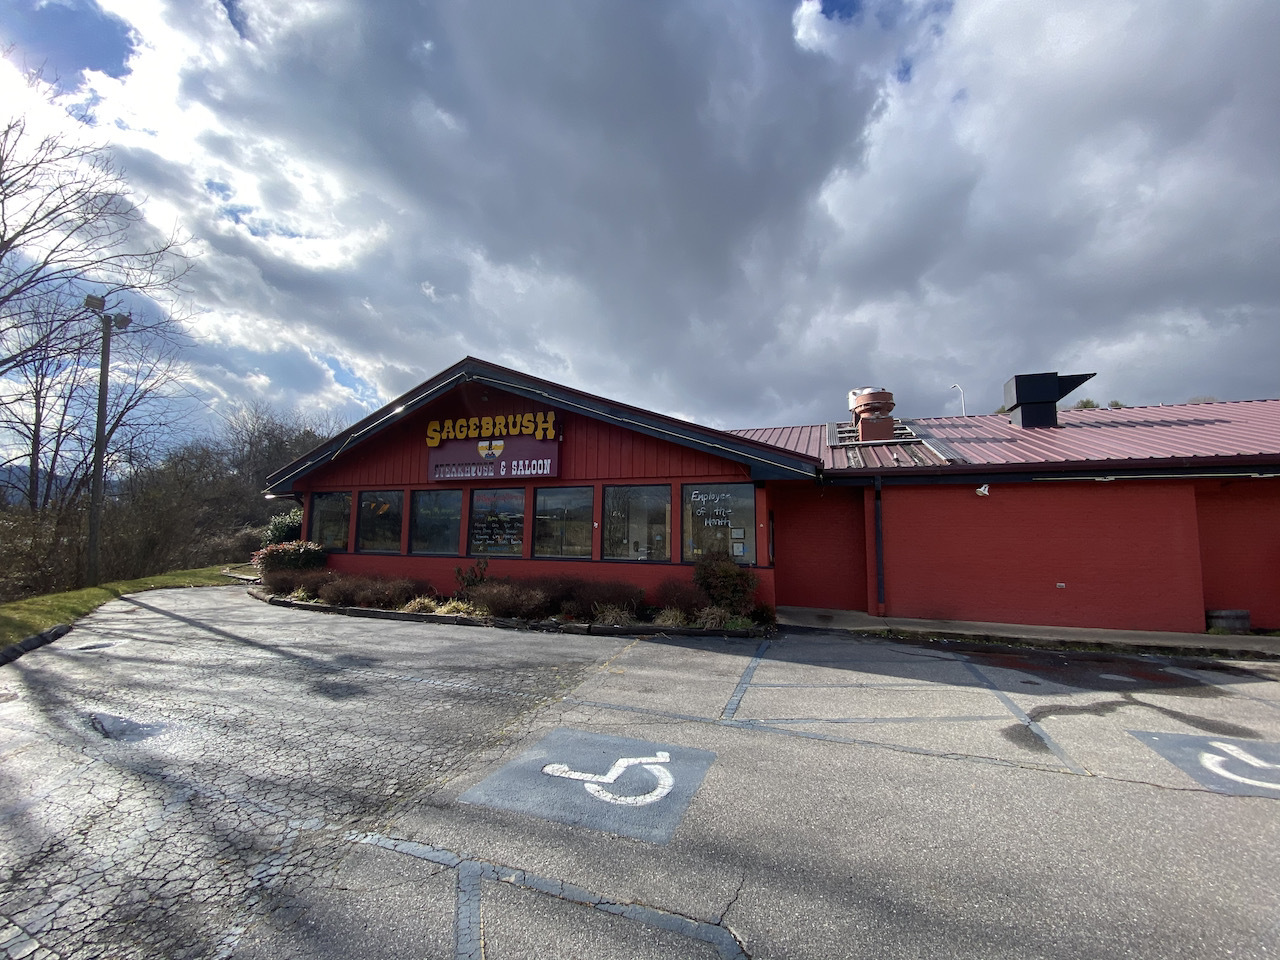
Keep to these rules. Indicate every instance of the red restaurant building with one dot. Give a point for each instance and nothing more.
(1133, 518)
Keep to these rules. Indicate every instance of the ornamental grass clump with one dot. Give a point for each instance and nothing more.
(612, 615)
(670, 617)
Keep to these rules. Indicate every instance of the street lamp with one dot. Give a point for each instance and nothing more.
(98, 305)
(956, 386)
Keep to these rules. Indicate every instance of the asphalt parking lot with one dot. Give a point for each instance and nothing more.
(192, 773)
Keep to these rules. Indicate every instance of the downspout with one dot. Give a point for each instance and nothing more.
(879, 553)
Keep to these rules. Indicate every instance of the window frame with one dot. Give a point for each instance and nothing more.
(389, 494)
(312, 516)
(457, 540)
(748, 527)
(589, 521)
(473, 513)
(605, 520)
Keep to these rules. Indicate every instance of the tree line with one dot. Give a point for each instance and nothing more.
(76, 254)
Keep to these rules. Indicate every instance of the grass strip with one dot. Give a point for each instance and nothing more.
(32, 615)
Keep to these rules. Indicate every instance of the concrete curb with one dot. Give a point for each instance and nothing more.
(983, 641)
(502, 623)
(27, 644)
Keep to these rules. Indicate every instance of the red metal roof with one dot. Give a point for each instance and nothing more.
(1129, 435)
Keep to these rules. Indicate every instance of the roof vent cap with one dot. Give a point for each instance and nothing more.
(1032, 398)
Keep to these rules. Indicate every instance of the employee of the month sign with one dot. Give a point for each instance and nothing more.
(518, 447)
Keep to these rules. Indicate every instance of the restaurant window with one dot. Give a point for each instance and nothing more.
(497, 523)
(381, 520)
(562, 522)
(637, 523)
(719, 518)
(435, 521)
(330, 520)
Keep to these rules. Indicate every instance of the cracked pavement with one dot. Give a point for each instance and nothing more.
(192, 773)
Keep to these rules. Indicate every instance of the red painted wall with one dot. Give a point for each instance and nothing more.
(819, 546)
(1239, 523)
(1127, 552)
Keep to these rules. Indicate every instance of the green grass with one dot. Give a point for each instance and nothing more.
(22, 618)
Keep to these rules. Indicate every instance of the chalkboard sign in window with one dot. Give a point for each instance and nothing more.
(497, 523)
(719, 518)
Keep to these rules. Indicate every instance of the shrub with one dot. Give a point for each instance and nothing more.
(371, 592)
(296, 555)
(725, 583)
(681, 595)
(764, 614)
(283, 528)
(508, 598)
(738, 623)
(670, 617)
(297, 584)
(588, 595)
(473, 576)
(421, 605)
(617, 616)
(557, 590)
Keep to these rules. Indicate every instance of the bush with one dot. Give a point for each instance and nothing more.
(473, 576)
(297, 555)
(371, 592)
(589, 595)
(557, 590)
(283, 528)
(509, 598)
(725, 583)
(680, 595)
(300, 584)
(421, 605)
(764, 614)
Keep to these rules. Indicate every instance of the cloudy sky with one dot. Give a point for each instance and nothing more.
(727, 210)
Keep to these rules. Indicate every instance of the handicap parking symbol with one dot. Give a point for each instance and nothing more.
(1249, 768)
(632, 788)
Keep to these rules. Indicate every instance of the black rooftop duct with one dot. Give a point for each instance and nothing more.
(1032, 398)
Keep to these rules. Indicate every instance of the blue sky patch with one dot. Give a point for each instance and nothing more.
(66, 38)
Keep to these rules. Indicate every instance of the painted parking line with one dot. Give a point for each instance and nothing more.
(631, 788)
(1247, 768)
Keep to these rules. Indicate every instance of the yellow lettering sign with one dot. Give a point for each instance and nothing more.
(540, 426)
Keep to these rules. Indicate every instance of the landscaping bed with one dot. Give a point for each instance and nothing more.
(720, 601)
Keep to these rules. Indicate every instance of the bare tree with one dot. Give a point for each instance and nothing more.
(67, 219)
(48, 403)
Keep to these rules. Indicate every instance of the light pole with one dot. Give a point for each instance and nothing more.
(956, 386)
(120, 320)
